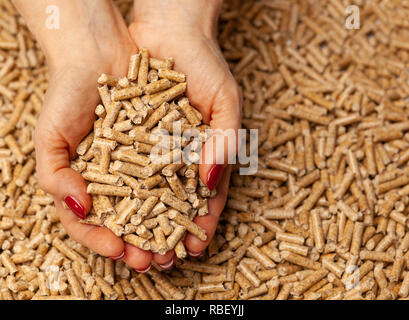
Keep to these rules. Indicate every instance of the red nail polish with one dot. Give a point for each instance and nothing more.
(214, 176)
(118, 257)
(144, 271)
(75, 206)
(195, 254)
(167, 266)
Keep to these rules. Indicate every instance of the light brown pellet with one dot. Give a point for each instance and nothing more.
(160, 240)
(177, 187)
(175, 236)
(188, 224)
(172, 201)
(158, 86)
(127, 93)
(136, 241)
(133, 68)
(143, 67)
(167, 95)
(108, 190)
(180, 250)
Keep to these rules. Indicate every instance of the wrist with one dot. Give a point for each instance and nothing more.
(197, 15)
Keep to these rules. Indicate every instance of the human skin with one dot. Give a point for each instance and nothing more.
(94, 39)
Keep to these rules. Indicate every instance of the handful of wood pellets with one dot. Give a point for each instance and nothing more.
(140, 191)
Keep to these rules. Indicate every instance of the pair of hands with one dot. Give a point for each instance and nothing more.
(93, 40)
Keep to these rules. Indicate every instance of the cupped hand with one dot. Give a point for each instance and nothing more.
(210, 87)
(102, 46)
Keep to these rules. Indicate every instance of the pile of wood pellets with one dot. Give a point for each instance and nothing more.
(133, 158)
(324, 218)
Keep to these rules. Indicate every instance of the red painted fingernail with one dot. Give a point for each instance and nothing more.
(214, 176)
(195, 254)
(75, 206)
(144, 271)
(118, 257)
(167, 266)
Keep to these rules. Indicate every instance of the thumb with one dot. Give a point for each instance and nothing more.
(55, 175)
(221, 146)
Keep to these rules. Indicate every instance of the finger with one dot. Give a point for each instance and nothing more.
(165, 261)
(138, 259)
(209, 222)
(99, 239)
(221, 148)
(55, 175)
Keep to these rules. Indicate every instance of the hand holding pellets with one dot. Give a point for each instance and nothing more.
(149, 200)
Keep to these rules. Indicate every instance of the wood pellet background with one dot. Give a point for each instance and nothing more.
(325, 217)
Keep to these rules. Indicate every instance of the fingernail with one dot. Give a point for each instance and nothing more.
(75, 206)
(167, 266)
(118, 257)
(214, 176)
(195, 254)
(144, 271)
